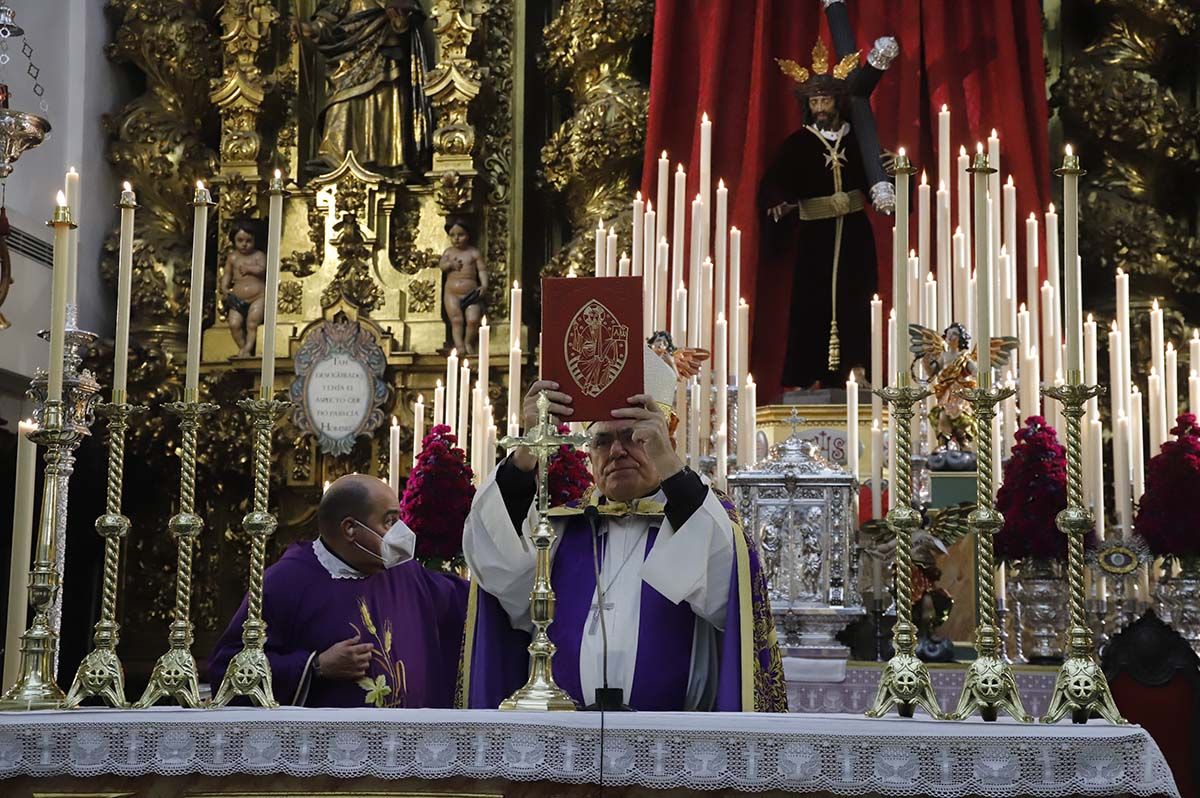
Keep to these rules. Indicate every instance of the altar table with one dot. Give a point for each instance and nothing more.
(176, 752)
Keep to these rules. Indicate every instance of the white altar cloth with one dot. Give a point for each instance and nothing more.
(840, 754)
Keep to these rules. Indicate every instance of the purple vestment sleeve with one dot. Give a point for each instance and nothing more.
(499, 657)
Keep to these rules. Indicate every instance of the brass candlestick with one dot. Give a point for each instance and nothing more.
(540, 692)
(1080, 688)
(101, 674)
(249, 672)
(36, 687)
(904, 682)
(989, 684)
(175, 674)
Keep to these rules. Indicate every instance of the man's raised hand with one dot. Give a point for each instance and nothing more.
(345, 661)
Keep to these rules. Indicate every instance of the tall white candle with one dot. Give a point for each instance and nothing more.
(463, 419)
(610, 254)
(514, 315)
(964, 206)
(1032, 278)
(72, 187)
(743, 342)
(916, 296)
(271, 300)
(484, 348)
(22, 547)
(662, 298)
(678, 242)
(900, 300)
(945, 266)
(1194, 351)
(1136, 446)
(638, 232)
(649, 251)
(679, 316)
(661, 200)
(439, 404)
(127, 205)
(983, 279)
(1123, 324)
(1096, 451)
(451, 417)
(962, 278)
(1007, 297)
(394, 455)
(1157, 428)
(1115, 372)
(1171, 387)
(993, 190)
(1091, 374)
(1072, 295)
(752, 415)
(1024, 339)
(735, 284)
(924, 222)
(418, 427)
(878, 380)
(1010, 218)
(930, 303)
(694, 426)
(1156, 337)
(1193, 391)
(893, 361)
(514, 383)
(601, 249)
(623, 265)
(1049, 342)
(943, 149)
(720, 233)
(852, 427)
(696, 293)
(1122, 475)
(721, 356)
(722, 455)
(201, 203)
(705, 181)
(1031, 400)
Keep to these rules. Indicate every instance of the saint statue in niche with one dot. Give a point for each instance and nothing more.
(375, 103)
(243, 284)
(466, 284)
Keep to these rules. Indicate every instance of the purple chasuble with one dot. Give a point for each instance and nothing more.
(413, 617)
(665, 630)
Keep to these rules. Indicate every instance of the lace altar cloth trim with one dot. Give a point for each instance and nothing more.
(840, 754)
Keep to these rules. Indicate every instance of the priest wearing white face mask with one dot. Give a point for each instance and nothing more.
(352, 619)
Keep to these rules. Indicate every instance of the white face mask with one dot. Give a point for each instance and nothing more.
(398, 544)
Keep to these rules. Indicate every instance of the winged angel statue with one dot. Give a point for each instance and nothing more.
(949, 365)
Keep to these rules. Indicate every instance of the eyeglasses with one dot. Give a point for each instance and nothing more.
(603, 441)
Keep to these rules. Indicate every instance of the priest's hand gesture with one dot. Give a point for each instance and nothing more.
(650, 429)
(345, 661)
(560, 410)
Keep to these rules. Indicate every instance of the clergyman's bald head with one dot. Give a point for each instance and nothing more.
(350, 496)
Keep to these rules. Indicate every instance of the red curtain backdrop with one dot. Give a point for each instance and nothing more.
(983, 60)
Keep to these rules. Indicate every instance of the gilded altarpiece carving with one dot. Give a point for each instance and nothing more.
(233, 91)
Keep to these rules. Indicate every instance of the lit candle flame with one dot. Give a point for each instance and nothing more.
(961, 150)
(979, 148)
(278, 174)
(60, 199)
(924, 180)
(1032, 216)
(704, 117)
(1010, 181)
(900, 154)
(199, 185)
(720, 182)
(1069, 151)
(516, 285)
(395, 423)
(126, 186)
(995, 135)
(1051, 210)
(664, 155)
(638, 197)
(945, 108)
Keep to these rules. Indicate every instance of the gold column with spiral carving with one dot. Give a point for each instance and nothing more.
(101, 674)
(904, 682)
(249, 672)
(1080, 688)
(540, 693)
(989, 684)
(175, 674)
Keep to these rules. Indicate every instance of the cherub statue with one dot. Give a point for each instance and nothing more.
(686, 361)
(950, 370)
(466, 284)
(243, 285)
(931, 604)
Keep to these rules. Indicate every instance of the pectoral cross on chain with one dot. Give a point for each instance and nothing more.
(595, 624)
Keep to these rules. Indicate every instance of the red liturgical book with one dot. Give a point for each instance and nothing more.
(592, 341)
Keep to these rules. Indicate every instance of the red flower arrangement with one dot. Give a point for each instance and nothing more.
(567, 473)
(1168, 516)
(1033, 493)
(437, 498)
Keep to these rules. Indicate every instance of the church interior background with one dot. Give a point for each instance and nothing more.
(525, 122)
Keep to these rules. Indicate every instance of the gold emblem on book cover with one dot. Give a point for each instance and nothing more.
(597, 346)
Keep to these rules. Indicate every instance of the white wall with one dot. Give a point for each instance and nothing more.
(68, 38)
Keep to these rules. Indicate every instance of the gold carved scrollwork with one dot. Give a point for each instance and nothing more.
(451, 87)
(594, 157)
(239, 92)
(1117, 102)
(420, 296)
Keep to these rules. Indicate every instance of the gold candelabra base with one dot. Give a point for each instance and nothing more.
(989, 684)
(36, 687)
(904, 683)
(1081, 688)
(540, 693)
(249, 672)
(175, 675)
(101, 674)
